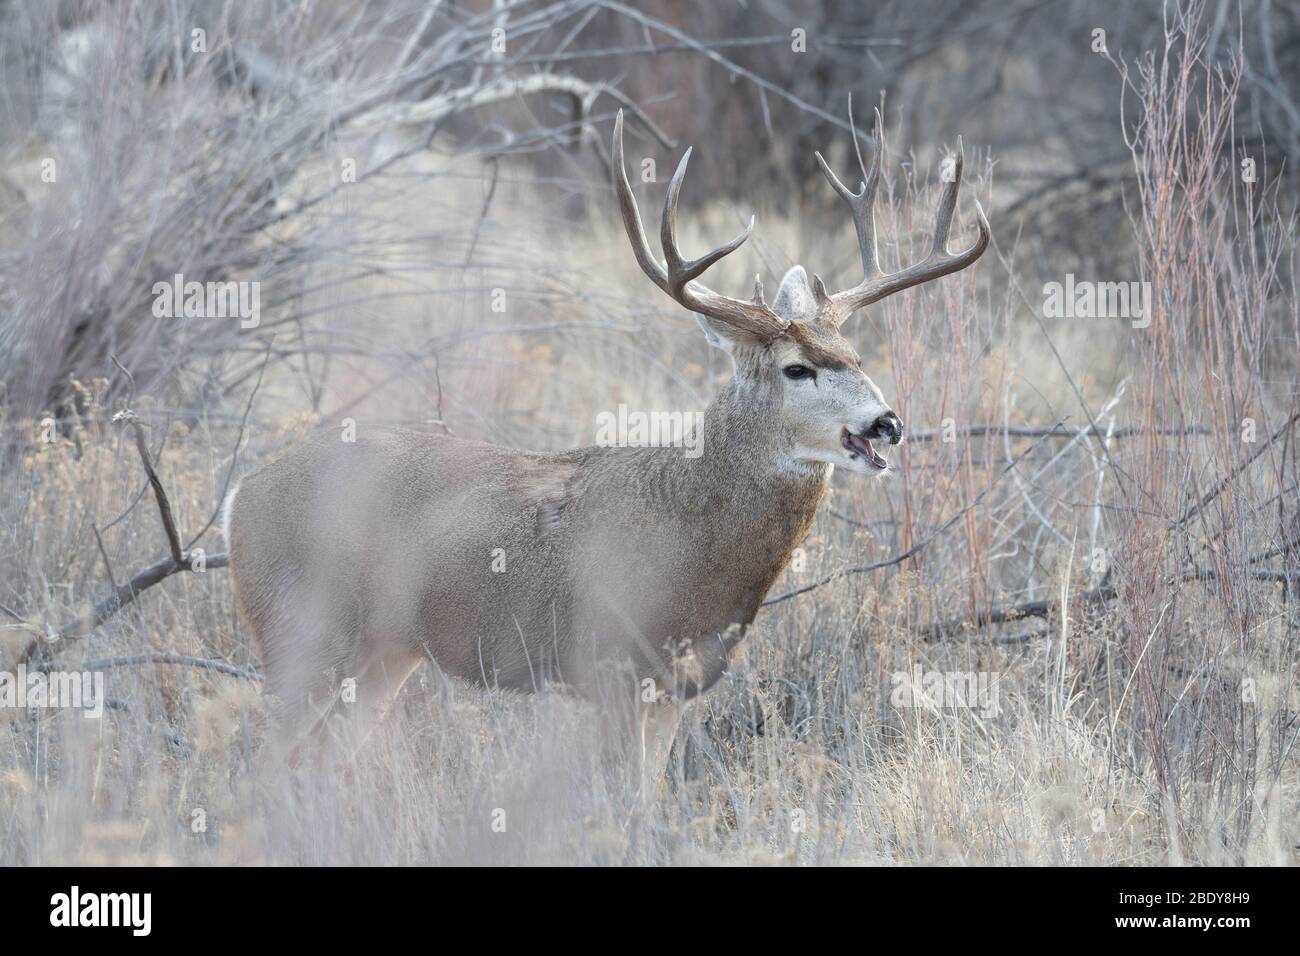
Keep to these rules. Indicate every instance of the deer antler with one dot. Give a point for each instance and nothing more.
(875, 285)
(677, 275)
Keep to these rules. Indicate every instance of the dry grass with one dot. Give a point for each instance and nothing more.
(803, 754)
(1156, 727)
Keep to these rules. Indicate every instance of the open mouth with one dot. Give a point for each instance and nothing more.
(859, 447)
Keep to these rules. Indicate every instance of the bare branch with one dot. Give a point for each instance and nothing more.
(1036, 431)
(915, 549)
(128, 592)
(437, 108)
(1227, 479)
(1015, 612)
(239, 439)
(129, 418)
(161, 657)
(178, 560)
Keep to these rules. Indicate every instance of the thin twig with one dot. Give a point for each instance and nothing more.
(1036, 431)
(162, 657)
(915, 549)
(1015, 612)
(127, 593)
(234, 455)
(129, 418)
(108, 565)
(177, 560)
(1090, 598)
(1227, 479)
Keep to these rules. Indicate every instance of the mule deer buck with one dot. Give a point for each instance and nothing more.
(612, 569)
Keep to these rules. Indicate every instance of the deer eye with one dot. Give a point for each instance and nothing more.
(798, 371)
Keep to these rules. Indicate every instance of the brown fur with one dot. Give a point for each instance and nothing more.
(822, 345)
(360, 559)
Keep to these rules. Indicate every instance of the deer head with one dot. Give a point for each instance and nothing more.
(796, 370)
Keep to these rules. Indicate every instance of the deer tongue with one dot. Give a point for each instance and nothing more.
(859, 445)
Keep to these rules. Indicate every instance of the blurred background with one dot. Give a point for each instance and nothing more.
(419, 192)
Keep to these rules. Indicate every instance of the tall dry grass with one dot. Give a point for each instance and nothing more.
(1147, 716)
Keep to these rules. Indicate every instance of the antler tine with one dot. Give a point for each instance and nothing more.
(862, 204)
(677, 274)
(937, 263)
(681, 270)
(947, 205)
(632, 215)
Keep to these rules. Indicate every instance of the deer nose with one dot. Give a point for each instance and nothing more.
(889, 427)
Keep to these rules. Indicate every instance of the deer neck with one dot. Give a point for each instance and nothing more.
(754, 487)
(728, 518)
(744, 436)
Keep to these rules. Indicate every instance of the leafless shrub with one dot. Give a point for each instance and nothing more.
(1129, 575)
(229, 140)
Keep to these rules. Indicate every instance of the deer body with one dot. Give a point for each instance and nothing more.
(513, 569)
(610, 569)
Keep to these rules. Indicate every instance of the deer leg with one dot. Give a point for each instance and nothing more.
(363, 701)
(656, 729)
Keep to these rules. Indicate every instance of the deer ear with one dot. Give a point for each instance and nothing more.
(711, 335)
(723, 336)
(795, 301)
